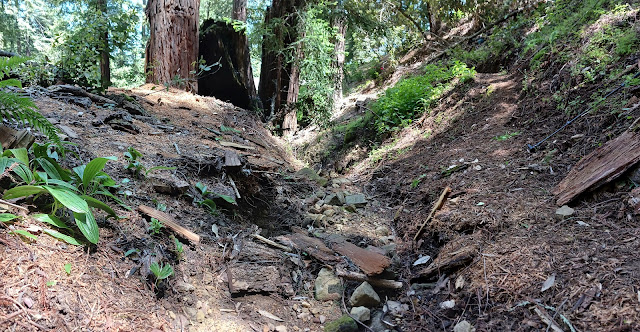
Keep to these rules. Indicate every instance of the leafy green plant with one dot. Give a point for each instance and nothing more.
(155, 226)
(179, 247)
(399, 105)
(17, 107)
(506, 136)
(133, 156)
(72, 191)
(208, 202)
(67, 268)
(416, 182)
(160, 271)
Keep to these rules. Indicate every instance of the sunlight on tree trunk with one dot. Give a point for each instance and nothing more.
(173, 42)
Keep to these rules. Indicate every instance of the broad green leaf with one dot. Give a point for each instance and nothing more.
(64, 184)
(88, 226)
(95, 203)
(228, 198)
(24, 173)
(48, 167)
(69, 199)
(93, 167)
(66, 238)
(79, 170)
(51, 219)
(4, 217)
(24, 233)
(67, 268)
(131, 251)
(7, 162)
(21, 154)
(161, 272)
(42, 177)
(22, 191)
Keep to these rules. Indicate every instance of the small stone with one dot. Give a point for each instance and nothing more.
(460, 282)
(362, 314)
(564, 211)
(329, 212)
(27, 301)
(464, 326)
(382, 231)
(328, 287)
(477, 167)
(350, 208)
(281, 328)
(265, 328)
(312, 175)
(304, 316)
(358, 200)
(332, 200)
(447, 304)
(184, 287)
(200, 316)
(172, 314)
(323, 319)
(342, 324)
(396, 308)
(364, 295)
(305, 304)
(68, 131)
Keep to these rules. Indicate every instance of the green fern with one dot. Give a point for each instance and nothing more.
(14, 106)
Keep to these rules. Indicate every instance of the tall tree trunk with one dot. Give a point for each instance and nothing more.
(173, 42)
(239, 10)
(340, 25)
(279, 76)
(434, 19)
(105, 71)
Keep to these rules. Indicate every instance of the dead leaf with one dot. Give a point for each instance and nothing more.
(422, 260)
(270, 315)
(549, 283)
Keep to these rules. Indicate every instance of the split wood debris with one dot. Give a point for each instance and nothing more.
(170, 222)
(599, 167)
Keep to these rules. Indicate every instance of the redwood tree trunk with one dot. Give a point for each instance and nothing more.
(105, 71)
(279, 76)
(239, 10)
(173, 42)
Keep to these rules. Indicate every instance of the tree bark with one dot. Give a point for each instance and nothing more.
(339, 50)
(239, 10)
(173, 42)
(105, 71)
(279, 78)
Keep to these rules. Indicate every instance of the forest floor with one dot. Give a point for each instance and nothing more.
(502, 259)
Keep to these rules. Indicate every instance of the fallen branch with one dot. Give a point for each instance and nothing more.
(2, 201)
(271, 243)
(168, 221)
(74, 90)
(384, 283)
(435, 208)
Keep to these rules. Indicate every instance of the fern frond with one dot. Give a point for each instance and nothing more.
(7, 64)
(16, 107)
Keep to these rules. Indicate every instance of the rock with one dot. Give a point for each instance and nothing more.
(184, 287)
(342, 324)
(281, 328)
(564, 211)
(389, 249)
(460, 282)
(323, 319)
(350, 208)
(329, 212)
(68, 131)
(332, 199)
(169, 186)
(362, 314)
(312, 175)
(358, 200)
(328, 287)
(396, 308)
(382, 231)
(376, 324)
(464, 326)
(364, 295)
(200, 316)
(341, 197)
(340, 181)
(447, 304)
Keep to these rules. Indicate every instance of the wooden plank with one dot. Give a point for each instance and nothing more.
(314, 247)
(600, 166)
(435, 208)
(236, 145)
(12, 139)
(371, 263)
(171, 223)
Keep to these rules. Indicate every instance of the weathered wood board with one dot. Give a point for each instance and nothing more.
(171, 223)
(371, 263)
(314, 247)
(599, 167)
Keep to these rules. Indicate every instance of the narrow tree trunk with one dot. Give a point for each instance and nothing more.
(339, 50)
(279, 76)
(105, 71)
(173, 42)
